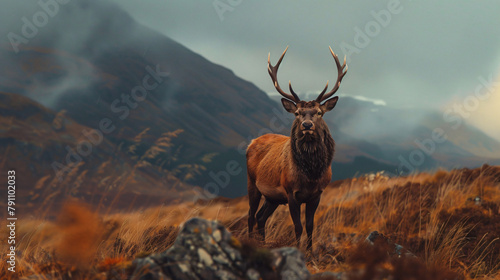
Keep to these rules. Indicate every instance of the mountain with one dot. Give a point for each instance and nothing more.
(93, 58)
(86, 74)
(167, 114)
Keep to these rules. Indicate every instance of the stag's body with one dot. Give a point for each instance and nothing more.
(292, 170)
(278, 170)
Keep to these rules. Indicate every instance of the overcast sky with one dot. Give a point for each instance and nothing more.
(428, 54)
(407, 53)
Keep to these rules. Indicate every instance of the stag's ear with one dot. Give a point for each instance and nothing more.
(289, 106)
(329, 104)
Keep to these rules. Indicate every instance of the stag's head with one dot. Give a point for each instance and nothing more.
(309, 122)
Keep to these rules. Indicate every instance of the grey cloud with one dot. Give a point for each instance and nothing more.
(427, 53)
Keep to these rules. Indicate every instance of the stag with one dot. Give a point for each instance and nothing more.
(293, 169)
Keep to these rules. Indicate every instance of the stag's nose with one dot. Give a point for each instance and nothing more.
(307, 125)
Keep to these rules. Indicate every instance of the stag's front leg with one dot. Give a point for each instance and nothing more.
(294, 207)
(311, 207)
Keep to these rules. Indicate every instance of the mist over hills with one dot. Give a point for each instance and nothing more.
(92, 62)
(401, 141)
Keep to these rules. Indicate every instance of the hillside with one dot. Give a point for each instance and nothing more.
(448, 220)
(57, 158)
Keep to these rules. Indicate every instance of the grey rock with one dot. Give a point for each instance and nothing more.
(206, 250)
(291, 263)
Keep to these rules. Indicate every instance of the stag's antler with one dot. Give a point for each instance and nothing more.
(341, 73)
(273, 72)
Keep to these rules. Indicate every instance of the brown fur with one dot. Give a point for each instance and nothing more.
(291, 170)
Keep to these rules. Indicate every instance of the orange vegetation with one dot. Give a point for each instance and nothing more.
(449, 220)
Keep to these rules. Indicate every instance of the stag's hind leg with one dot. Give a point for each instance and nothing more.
(253, 200)
(264, 213)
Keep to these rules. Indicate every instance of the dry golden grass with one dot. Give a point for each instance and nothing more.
(435, 216)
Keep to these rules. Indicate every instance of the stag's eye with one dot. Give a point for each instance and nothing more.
(296, 113)
(320, 113)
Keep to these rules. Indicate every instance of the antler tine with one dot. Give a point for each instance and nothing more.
(324, 90)
(293, 92)
(341, 73)
(273, 72)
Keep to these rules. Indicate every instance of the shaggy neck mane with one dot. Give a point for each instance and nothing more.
(312, 157)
